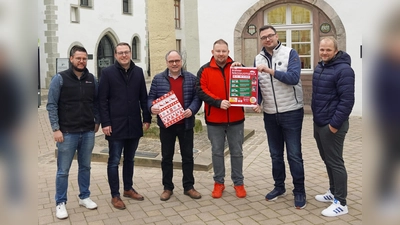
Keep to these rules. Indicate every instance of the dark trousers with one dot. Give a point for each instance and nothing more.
(330, 147)
(185, 138)
(285, 129)
(128, 146)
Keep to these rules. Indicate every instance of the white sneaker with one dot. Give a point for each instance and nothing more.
(61, 211)
(335, 209)
(88, 203)
(327, 197)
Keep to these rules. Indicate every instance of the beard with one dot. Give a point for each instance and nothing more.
(78, 69)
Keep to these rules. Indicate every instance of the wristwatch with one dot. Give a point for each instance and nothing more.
(54, 130)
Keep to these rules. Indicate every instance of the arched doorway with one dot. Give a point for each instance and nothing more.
(105, 54)
(300, 25)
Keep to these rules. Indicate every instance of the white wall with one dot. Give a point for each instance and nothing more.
(217, 19)
(93, 23)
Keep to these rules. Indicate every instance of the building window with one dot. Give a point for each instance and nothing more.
(178, 45)
(135, 48)
(87, 3)
(127, 6)
(293, 24)
(74, 16)
(105, 54)
(177, 5)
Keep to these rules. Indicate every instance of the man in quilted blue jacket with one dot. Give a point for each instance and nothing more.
(332, 103)
(182, 82)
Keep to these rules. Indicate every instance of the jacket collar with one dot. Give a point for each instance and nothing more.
(71, 73)
(132, 64)
(263, 50)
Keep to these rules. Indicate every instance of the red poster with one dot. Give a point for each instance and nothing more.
(243, 89)
(171, 109)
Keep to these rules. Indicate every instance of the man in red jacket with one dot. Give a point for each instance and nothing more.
(223, 121)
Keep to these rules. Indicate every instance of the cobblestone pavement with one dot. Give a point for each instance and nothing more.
(229, 209)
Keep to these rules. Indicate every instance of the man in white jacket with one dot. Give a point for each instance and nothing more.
(281, 100)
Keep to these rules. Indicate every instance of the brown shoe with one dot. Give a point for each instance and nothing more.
(166, 195)
(133, 194)
(192, 193)
(117, 203)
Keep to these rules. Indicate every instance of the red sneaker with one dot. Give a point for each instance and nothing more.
(240, 191)
(218, 189)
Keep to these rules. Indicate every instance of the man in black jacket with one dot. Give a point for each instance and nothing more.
(74, 118)
(123, 105)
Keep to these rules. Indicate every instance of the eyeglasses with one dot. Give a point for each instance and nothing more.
(123, 53)
(174, 61)
(267, 37)
(81, 59)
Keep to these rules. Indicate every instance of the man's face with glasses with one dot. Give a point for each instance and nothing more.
(123, 55)
(79, 61)
(174, 63)
(269, 39)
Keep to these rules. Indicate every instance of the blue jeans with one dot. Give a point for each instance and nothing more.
(83, 144)
(235, 136)
(115, 150)
(185, 137)
(285, 128)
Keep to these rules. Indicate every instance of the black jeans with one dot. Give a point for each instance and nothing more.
(116, 147)
(185, 138)
(330, 147)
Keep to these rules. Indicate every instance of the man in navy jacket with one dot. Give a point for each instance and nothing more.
(124, 115)
(183, 84)
(332, 103)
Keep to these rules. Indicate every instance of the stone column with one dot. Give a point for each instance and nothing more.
(161, 33)
(51, 42)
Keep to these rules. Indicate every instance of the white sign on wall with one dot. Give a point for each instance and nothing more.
(62, 64)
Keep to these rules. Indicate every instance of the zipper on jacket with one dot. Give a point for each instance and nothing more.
(273, 91)
(226, 92)
(80, 100)
(295, 96)
(272, 83)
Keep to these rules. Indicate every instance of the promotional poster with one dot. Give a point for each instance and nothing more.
(243, 90)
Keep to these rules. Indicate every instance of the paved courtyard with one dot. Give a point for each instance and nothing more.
(229, 209)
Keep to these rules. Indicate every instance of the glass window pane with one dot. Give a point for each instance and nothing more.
(305, 62)
(301, 36)
(300, 15)
(125, 6)
(282, 36)
(302, 49)
(277, 16)
(134, 48)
